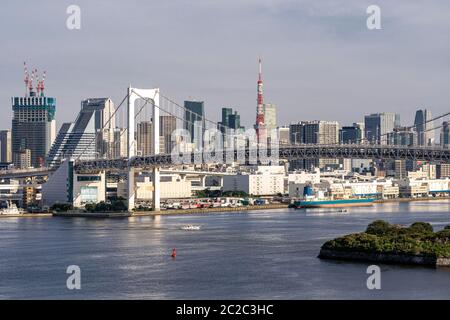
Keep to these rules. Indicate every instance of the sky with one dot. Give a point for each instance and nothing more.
(320, 61)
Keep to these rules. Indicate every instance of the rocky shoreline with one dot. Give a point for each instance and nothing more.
(382, 242)
(387, 258)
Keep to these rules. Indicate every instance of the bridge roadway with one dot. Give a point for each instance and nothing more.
(306, 151)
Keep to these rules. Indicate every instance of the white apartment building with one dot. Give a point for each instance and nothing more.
(257, 180)
(172, 186)
(350, 188)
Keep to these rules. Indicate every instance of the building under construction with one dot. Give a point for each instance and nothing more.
(33, 123)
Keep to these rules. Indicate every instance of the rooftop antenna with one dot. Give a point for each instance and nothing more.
(26, 78)
(38, 82)
(43, 83)
(30, 83)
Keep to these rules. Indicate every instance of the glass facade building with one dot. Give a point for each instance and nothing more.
(33, 126)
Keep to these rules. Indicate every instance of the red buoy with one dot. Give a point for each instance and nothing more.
(174, 253)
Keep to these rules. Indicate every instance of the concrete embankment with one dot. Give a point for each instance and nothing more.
(410, 199)
(211, 210)
(26, 215)
(388, 258)
(147, 213)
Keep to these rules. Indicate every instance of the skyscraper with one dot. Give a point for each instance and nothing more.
(144, 139)
(104, 122)
(168, 124)
(22, 159)
(284, 135)
(230, 124)
(270, 116)
(402, 136)
(226, 112)
(194, 121)
(33, 122)
(423, 124)
(5, 146)
(296, 133)
(321, 132)
(315, 132)
(92, 135)
(378, 125)
(230, 119)
(350, 134)
(120, 143)
(234, 121)
(445, 134)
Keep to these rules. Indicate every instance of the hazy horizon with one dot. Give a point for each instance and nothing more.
(320, 62)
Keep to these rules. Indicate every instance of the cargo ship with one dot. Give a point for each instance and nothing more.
(334, 203)
(319, 200)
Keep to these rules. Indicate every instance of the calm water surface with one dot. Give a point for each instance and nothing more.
(252, 255)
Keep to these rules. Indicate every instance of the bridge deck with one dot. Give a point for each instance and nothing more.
(263, 156)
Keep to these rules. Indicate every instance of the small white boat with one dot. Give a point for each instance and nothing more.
(11, 209)
(190, 227)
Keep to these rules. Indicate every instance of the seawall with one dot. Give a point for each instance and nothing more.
(211, 210)
(388, 258)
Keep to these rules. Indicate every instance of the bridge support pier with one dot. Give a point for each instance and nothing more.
(153, 96)
(156, 196)
(131, 194)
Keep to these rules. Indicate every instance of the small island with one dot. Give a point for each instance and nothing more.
(382, 242)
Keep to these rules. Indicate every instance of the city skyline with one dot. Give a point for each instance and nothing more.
(309, 41)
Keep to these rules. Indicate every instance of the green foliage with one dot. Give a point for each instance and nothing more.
(61, 207)
(102, 206)
(382, 237)
(378, 227)
(217, 194)
(422, 227)
(238, 193)
(142, 208)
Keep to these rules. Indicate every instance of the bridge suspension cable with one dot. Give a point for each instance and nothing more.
(103, 127)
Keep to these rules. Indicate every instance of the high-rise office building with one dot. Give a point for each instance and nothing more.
(321, 132)
(75, 140)
(443, 170)
(104, 124)
(402, 136)
(120, 143)
(230, 119)
(230, 124)
(144, 135)
(22, 159)
(423, 124)
(167, 125)
(378, 125)
(194, 121)
(314, 132)
(284, 135)
(89, 137)
(270, 117)
(33, 122)
(226, 112)
(361, 127)
(296, 133)
(445, 134)
(400, 169)
(144, 139)
(5, 146)
(351, 134)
